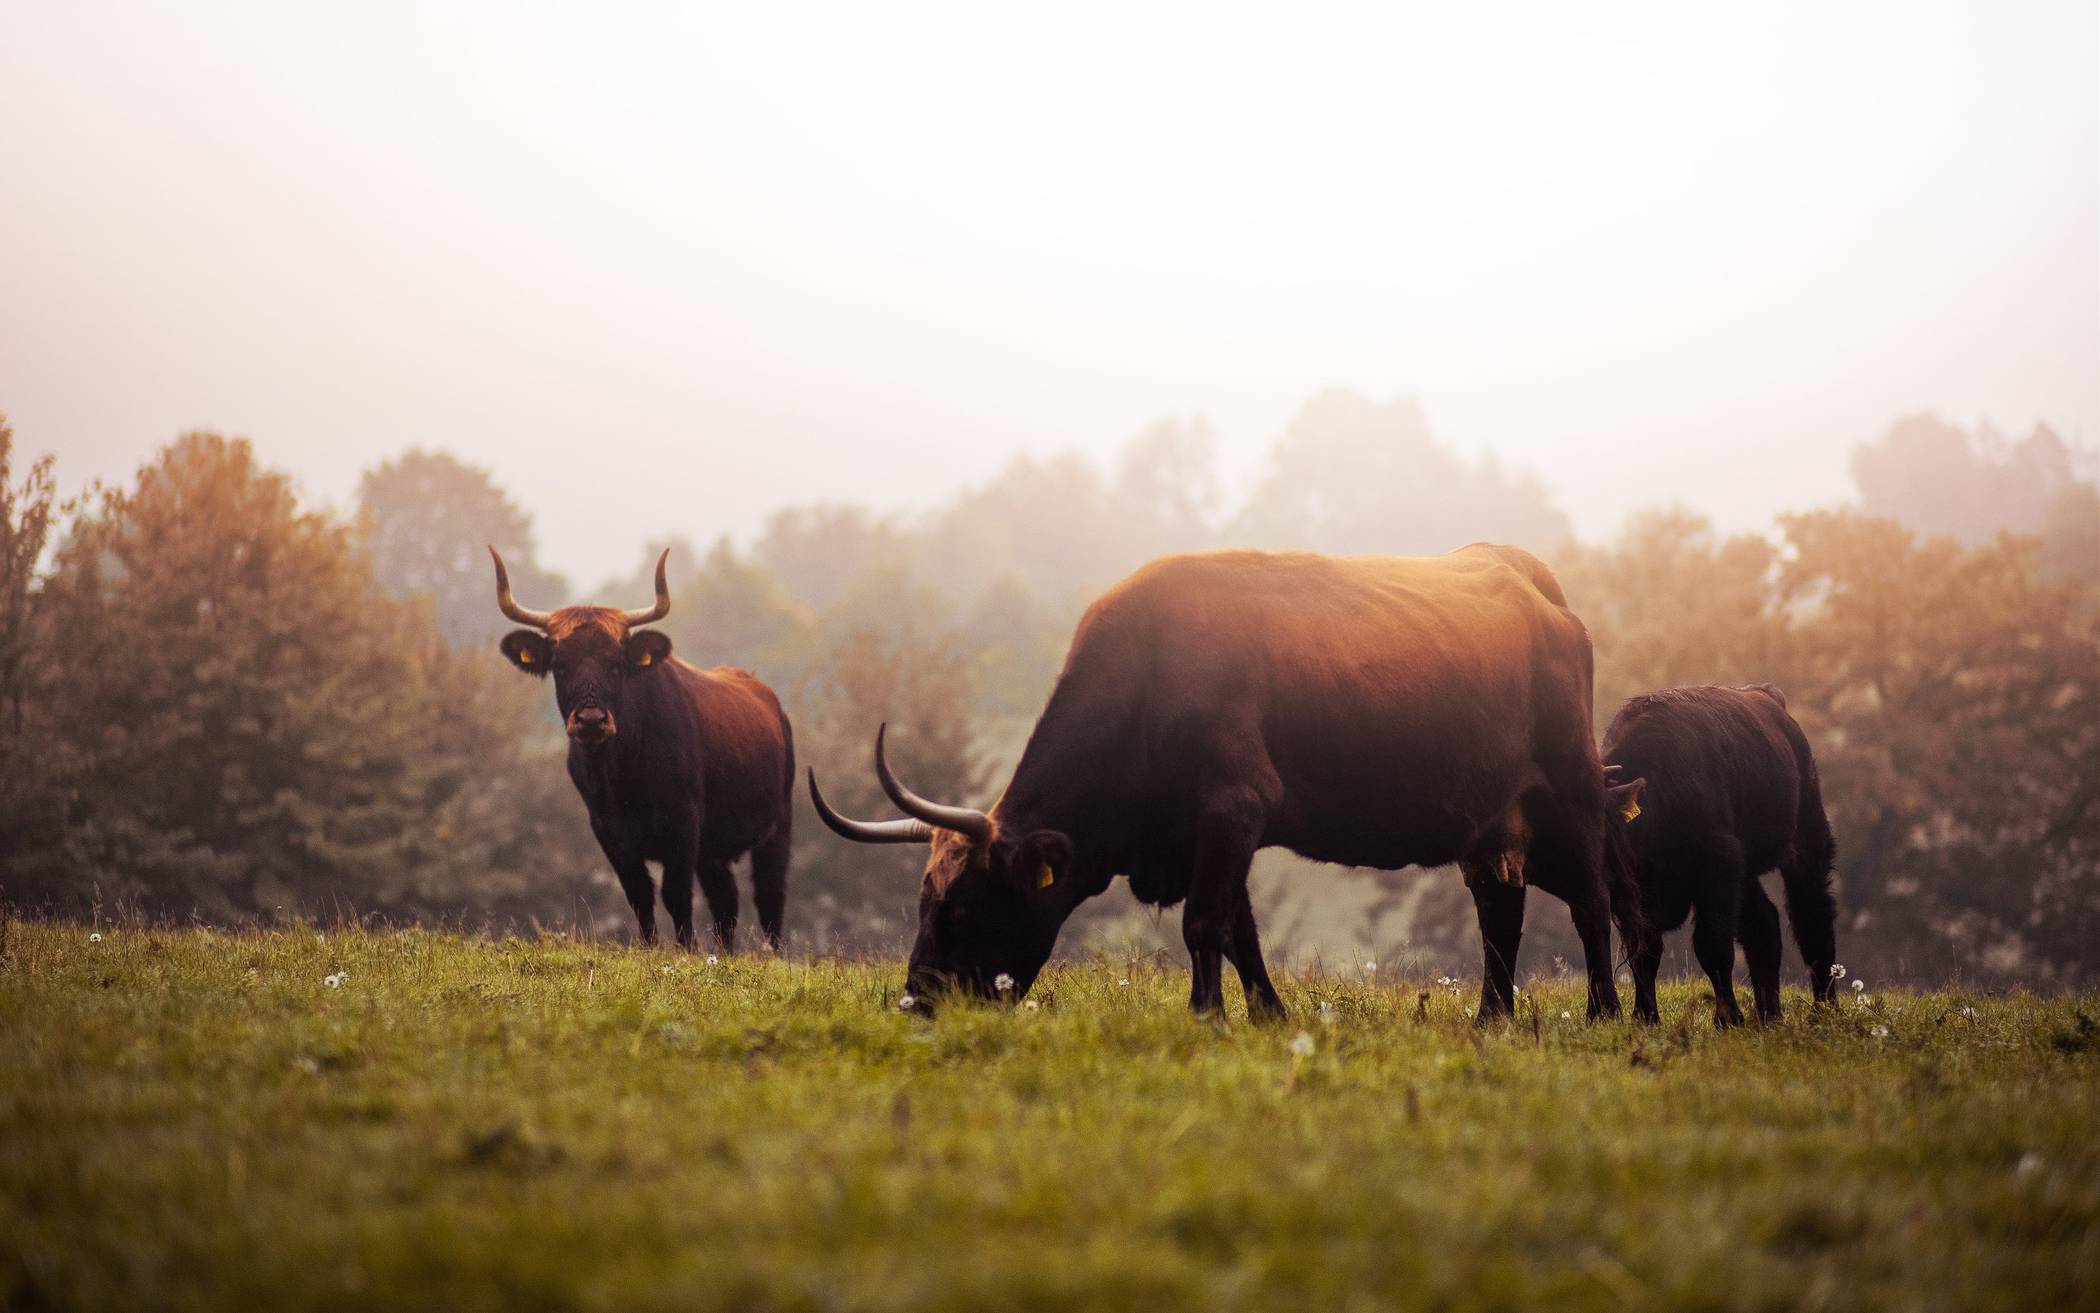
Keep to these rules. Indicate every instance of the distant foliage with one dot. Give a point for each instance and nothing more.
(1972, 486)
(1356, 476)
(214, 700)
(1952, 695)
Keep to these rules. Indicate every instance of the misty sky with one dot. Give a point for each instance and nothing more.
(666, 268)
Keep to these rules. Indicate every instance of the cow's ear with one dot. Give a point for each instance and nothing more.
(529, 650)
(648, 648)
(1043, 859)
(1626, 798)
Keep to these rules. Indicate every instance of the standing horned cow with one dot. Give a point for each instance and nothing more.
(686, 767)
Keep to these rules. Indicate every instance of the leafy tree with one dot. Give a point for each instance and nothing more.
(1351, 475)
(35, 760)
(429, 520)
(260, 727)
(1954, 698)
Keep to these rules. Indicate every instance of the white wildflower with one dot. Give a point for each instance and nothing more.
(1879, 1032)
(1302, 1045)
(1837, 970)
(1968, 1012)
(1370, 966)
(1566, 1015)
(1122, 984)
(95, 938)
(712, 960)
(332, 980)
(666, 970)
(1031, 1005)
(906, 1003)
(1003, 983)
(1859, 986)
(2029, 1164)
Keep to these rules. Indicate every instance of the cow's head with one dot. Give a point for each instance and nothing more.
(590, 650)
(991, 902)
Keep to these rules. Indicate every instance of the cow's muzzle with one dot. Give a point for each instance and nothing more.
(591, 726)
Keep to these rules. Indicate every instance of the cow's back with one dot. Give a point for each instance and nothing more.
(1403, 702)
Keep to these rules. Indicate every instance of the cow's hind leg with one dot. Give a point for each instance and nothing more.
(1571, 869)
(1243, 949)
(1647, 963)
(719, 887)
(1714, 907)
(678, 901)
(1500, 909)
(1758, 929)
(769, 877)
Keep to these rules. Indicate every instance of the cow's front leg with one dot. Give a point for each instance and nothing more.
(633, 870)
(641, 894)
(681, 854)
(1227, 832)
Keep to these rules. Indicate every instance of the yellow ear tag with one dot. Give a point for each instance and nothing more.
(1045, 877)
(524, 656)
(647, 657)
(1633, 810)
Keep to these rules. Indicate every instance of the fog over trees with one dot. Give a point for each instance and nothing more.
(222, 703)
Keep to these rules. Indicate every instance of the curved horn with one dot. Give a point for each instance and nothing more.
(506, 604)
(906, 831)
(663, 598)
(963, 820)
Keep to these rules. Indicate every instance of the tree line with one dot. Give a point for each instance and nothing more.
(220, 703)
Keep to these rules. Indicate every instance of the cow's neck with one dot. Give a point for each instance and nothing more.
(1072, 778)
(615, 770)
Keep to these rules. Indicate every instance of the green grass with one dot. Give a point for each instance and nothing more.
(190, 1120)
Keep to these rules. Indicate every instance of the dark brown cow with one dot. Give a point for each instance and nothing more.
(1726, 790)
(1373, 711)
(690, 768)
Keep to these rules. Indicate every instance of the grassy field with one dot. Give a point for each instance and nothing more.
(191, 1119)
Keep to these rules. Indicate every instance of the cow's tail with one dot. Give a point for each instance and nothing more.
(1811, 906)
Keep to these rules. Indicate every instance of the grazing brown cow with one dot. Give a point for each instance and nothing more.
(1725, 789)
(687, 767)
(1372, 711)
